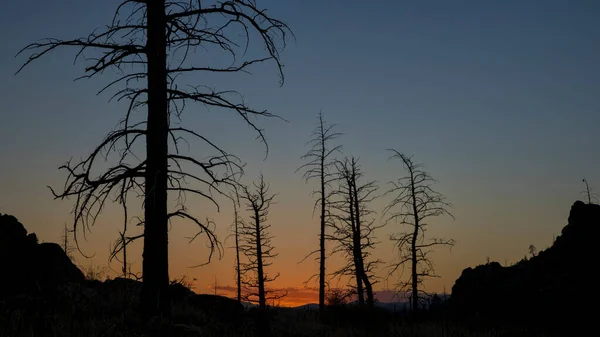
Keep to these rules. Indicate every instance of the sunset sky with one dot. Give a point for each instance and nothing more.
(500, 100)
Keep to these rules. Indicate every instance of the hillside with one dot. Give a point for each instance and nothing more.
(554, 287)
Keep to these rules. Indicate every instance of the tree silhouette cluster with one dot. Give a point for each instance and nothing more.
(153, 48)
(151, 45)
(348, 221)
(353, 230)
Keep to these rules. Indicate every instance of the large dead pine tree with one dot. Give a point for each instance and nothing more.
(321, 167)
(354, 230)
(151, 47)
(415, 202)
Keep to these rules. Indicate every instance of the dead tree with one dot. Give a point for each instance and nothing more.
(353, 231)
(415, 202)
(257, 247)
(319, 167)
(532, 250)
(150, 45)
(591, 197)
(120, 246)
(236, 236)
(66, 245)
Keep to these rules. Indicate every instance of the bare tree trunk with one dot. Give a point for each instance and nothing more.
(322, 238)
(66, 241)
(359, 287)
(155, 297)
(264, 328)
(262, 303)
(237, 255)
(125, 274)
(356, 246)
(369, 289)
(360, 266)
(415, 278)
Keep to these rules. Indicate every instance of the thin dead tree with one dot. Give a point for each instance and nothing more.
(320, 166)
(591, 197)
(415, 202)
(235, 227)
(151, 45)
(256, 244)
(120, 246)
(237, 255)
(354, 230)
(66, 244)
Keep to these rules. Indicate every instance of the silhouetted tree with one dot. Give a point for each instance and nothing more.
(337, 297)
(319, 166)
(352, 232)
(149, 44)
(258, 249)
(414, 202)
(591, 197)
(65, 243)
(532, 250)
(236, 236)
(120, 246)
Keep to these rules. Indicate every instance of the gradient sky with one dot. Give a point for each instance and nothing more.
(500, 99)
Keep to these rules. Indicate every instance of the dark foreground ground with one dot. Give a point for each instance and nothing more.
(68, 320)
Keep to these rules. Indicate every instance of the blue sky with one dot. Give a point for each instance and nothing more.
(500, 99)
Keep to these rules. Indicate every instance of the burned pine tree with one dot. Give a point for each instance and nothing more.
(354, 230)
(415, 201)
(320, 166)
(235, 227)
(257, 247)
(150, 45)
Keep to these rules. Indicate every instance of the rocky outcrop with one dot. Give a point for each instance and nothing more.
(552, 287)
(29, 266)
(36, 274)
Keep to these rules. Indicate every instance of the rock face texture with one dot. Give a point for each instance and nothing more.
(29, 266)
(554, 287)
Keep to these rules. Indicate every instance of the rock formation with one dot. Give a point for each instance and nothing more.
(29, 266)
(554, 287)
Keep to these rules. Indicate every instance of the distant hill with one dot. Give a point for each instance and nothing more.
(308, 306)
(389, 306)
